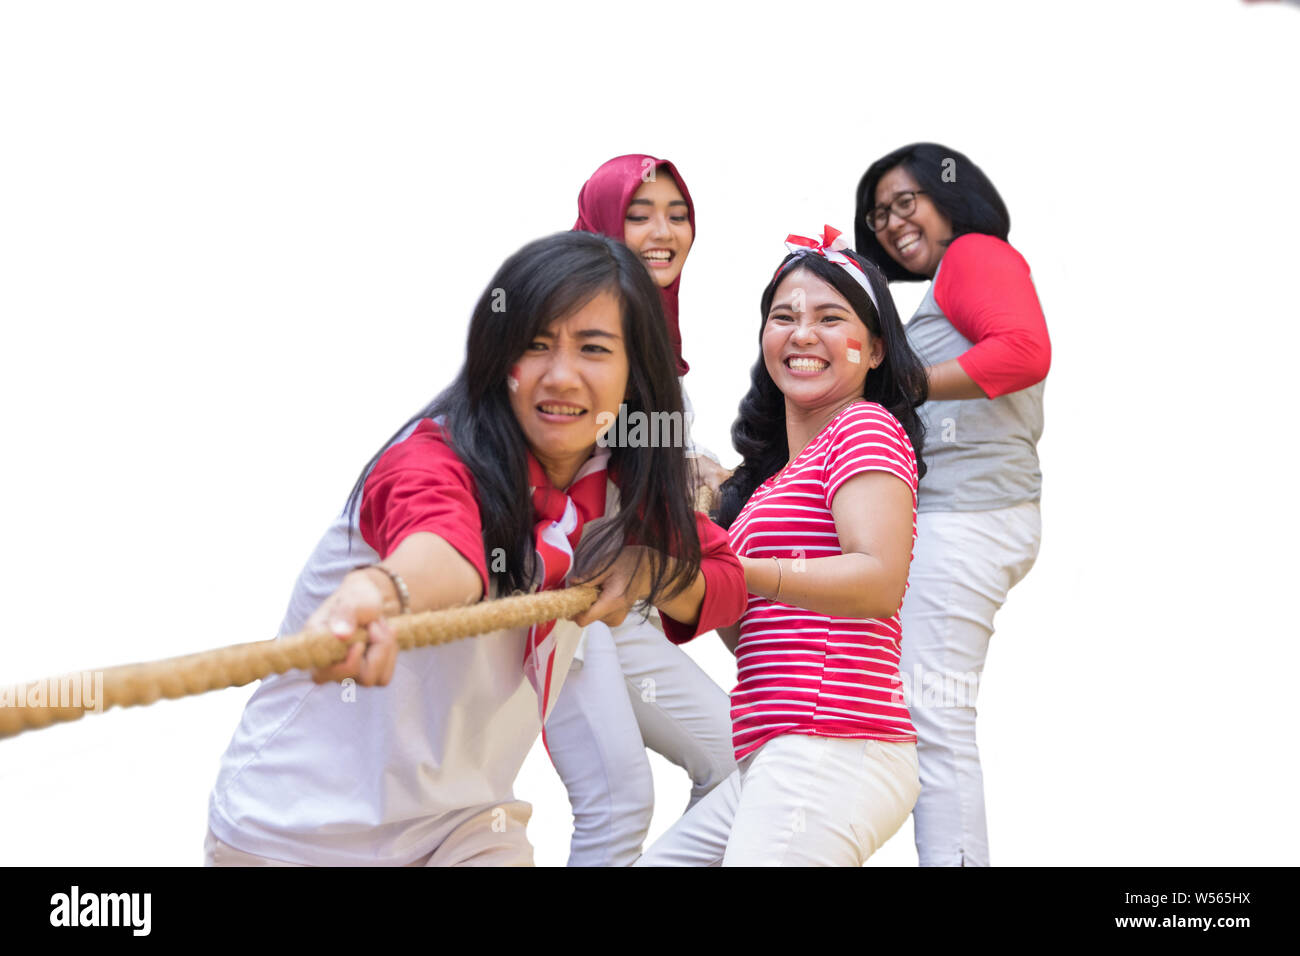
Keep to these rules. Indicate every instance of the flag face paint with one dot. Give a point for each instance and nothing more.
(512, 379)
(855, 351)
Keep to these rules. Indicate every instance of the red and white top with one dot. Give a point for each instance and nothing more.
(341, 776)
(801, 672)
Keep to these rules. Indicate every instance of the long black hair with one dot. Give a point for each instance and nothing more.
(956, 186)
(899, 383)
(546, 280)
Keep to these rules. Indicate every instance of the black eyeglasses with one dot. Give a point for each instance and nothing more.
(904, 205)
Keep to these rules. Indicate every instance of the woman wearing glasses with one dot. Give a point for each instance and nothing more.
(927, 212)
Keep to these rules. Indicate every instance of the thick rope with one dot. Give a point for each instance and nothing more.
(58, 699)
(704, 499)
(132, 685)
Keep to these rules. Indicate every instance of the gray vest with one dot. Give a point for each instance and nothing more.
(981, 453)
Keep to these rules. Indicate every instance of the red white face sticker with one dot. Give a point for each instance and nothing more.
(855, 351)
(512, 379)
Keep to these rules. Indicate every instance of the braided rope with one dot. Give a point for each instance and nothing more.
(704, 499)
(133, 685)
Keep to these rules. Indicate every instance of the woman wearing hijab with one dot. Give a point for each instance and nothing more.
(630, 688)
(498, 485)
(927, 212)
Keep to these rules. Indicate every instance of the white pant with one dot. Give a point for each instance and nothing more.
(633, 689)
(798, 800)
(964, 565)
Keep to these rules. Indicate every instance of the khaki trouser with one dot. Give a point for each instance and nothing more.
(475, 842)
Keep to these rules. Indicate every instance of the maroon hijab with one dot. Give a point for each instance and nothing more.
(602, 208)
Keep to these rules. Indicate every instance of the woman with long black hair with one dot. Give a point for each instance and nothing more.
(499, 484)
(629, 689)
(822, 514)
(925, 211)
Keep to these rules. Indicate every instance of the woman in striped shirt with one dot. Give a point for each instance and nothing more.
(822, 513)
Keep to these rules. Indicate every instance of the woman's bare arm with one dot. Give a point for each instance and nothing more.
(873, 518)
(436, 576)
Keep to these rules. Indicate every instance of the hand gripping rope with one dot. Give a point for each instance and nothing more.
(133, 685)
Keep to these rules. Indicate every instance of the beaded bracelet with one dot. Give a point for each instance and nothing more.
(403, 595)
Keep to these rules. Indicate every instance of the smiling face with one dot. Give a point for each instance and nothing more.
(915, 243)
(818, 356)
(569, 374)
(657, 228)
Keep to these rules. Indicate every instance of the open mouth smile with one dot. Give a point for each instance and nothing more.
(658, 258)
(907, 244)
(806, 364)
(560, 411)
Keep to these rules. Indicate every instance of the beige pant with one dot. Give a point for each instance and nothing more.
(496, 837)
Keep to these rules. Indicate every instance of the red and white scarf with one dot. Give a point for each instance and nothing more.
(560, 517)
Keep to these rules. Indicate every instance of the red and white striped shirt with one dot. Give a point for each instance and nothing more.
(800, 672)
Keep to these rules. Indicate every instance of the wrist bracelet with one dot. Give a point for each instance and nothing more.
(403, 595)
(777, 596)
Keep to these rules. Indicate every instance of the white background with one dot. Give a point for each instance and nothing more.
(240, 242)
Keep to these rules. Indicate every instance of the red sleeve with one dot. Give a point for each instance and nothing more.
(724, 585)
(985, 290)
(419, 484)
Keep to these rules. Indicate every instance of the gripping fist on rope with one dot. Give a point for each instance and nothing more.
(710, 473)
(359, 602)
(422, 573)
(623, 585)
(626, 583)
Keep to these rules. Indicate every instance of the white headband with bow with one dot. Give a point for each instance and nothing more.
(828, 247)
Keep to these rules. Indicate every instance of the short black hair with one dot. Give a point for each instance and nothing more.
(957, 187)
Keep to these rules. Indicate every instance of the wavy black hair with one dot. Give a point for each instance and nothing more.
(957, 187)
(546, 280)
(899, 383)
